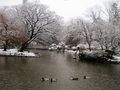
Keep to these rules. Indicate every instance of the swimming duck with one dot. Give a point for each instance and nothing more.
(85, 77)
(44, 79)
(74, 78)
(53, 80)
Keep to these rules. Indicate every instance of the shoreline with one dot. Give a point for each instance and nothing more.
(15, 53)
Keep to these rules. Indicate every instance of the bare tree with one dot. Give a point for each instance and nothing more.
(114, 24)
(8, 29)
(54, 34)
(74, 32)
(88, 33)
(113, 12)
(37, 19)
(98, 25)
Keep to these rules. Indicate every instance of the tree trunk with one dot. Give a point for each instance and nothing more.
(89, 47)
(23, 47)
(6, 45)
(101, 47)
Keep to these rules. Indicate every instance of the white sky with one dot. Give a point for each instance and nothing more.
(64, 8)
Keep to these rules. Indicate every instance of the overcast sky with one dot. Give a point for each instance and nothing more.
(64, 8)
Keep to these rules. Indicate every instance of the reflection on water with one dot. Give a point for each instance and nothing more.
(18, 73)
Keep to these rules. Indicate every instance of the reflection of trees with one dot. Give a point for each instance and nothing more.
(7, 63)
(23, 60)
(13, 62)
(15, 73)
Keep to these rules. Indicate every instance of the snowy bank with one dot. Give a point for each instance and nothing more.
(96, 56)
(71, 51)
(100, 56)
(14, 52)
(116, 59)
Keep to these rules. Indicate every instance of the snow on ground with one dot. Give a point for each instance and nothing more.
(116, 58)
(72, 52)
(14, 52)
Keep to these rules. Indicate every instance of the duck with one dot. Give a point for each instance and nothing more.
(75, 78)
(44, 79)
(53, 80)
(74, 58)
(85, 77)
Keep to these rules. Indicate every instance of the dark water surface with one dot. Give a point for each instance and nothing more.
(25, 73)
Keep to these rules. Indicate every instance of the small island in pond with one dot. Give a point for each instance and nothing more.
(15, 52)
(100, 56)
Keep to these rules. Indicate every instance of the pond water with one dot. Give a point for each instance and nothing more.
(25, 73)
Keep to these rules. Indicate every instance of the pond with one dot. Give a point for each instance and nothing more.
(18, 73)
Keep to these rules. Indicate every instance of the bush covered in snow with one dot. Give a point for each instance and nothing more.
(98, 56)
(14, 52)
(60, 46)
